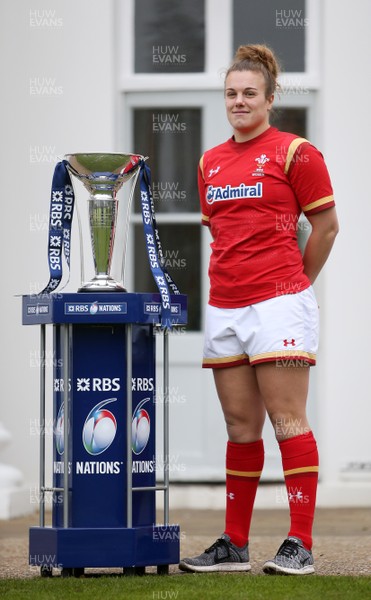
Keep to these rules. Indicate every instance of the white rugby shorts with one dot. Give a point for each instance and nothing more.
(284, 329)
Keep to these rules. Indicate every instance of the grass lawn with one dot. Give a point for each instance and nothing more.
(189, 587)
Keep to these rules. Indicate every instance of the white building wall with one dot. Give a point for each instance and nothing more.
(57, 74)
(69, 46)
(345, 117)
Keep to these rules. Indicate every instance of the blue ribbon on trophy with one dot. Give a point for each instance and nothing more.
(60, 221)
(162, 278)
(62, 202)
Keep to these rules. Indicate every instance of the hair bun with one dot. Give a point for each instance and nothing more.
(257, 57)
(259, 54)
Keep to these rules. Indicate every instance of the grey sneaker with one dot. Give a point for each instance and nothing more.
(221, 556)
(291, 559)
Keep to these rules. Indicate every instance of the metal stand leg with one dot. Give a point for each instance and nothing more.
(66, 334)
(66, 331)
(164, 569)
(45, 570)
(129, 416)
(42, 429)
(166, 427)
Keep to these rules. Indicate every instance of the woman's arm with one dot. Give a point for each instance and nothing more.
(324, 231)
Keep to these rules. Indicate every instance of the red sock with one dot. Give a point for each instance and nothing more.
(300, 468)
(244, 464)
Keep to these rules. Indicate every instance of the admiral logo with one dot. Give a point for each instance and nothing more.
(228, 192)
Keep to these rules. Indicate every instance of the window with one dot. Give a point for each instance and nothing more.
(281, 25)
(171, 138)
(293, 120)
(169, 36)
(181, 245)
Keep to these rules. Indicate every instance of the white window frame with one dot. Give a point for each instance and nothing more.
(171, 100)
(218, 51)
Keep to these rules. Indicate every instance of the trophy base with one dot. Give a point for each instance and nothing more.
(106, 284)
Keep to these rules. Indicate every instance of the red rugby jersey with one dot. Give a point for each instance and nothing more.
(252, 194)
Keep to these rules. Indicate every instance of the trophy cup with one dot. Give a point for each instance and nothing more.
(103, 175)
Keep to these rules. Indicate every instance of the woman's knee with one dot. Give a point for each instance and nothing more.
(288, 423)
(243, 428)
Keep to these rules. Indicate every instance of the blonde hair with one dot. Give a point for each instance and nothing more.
(257, 57)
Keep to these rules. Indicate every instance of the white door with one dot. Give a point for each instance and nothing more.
(173, 129)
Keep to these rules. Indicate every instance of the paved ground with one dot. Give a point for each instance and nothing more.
(342, 539)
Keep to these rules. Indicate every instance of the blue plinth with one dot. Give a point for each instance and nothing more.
(90, 374)
(104, 547)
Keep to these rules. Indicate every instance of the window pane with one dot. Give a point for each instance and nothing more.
(181, 245)
(293, 120)
(171, 138)
(280, 25)
(169, 36)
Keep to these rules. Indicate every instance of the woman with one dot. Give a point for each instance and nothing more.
(261, 331)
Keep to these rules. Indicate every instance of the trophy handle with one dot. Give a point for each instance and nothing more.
(82, 262)
(126, 227)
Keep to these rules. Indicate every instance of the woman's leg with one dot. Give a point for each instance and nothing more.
(244, 414)
(284, 391)
(241, 402)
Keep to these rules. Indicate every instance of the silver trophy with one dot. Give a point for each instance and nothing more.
(103, 175)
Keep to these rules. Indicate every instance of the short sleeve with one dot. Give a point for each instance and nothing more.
(309, 177)
(205, 216)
